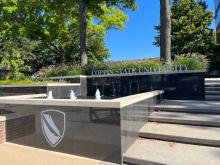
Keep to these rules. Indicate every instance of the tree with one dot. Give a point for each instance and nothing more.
(14, 55)
(15, 49)
(191, 31)
(95, 7)
(82, 25)
(165, 31)
(54, 26)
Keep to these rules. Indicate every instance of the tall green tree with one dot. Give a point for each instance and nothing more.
(95, 7)
(165, 31)
(14, 56)
(15, 49)
(55, 28)
(82, 29)
(191, 30)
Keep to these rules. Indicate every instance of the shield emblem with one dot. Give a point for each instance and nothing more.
(53, 126)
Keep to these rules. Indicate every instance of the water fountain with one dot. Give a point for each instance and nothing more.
(72, 95)
(98, 95)
(50, 95)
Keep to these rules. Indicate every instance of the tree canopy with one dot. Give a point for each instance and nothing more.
(51, 29)
(191, 30)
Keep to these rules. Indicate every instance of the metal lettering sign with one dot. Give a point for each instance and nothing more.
(53, 126)
(153, 69)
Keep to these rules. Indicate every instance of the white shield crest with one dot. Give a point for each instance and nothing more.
(53, 126)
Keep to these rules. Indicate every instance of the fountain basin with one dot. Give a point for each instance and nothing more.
(98, 129)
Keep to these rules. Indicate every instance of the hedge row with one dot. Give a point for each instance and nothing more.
(192, 61)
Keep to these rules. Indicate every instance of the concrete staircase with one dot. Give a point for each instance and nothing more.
(212, 89)
(179, 133)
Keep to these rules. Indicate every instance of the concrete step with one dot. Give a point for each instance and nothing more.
(155, 152)
(212, 88)
(187, 110)
(212, 98)
(212, 80)
(199, 135)
(185, 118)
(212, 92)
(189, 106)
(212, 84)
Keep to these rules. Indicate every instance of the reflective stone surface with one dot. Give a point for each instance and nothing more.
(133, 118)
(99, 133)
(86, 132)
(186, 86)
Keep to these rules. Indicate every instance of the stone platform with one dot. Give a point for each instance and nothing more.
(179, 133)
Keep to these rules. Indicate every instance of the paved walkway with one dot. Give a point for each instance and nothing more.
(13, 154)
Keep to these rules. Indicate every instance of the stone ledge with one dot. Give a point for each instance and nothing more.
(39, 85)
(115, 103)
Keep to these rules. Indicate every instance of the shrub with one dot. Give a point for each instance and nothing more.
(61, 70)
(193, 61)
(71, 70)
(19, 82)
(120, 65)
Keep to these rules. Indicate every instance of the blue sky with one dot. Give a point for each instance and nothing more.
(136, 41)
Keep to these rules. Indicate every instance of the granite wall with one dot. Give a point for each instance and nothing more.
(88, 132)
(177, 86)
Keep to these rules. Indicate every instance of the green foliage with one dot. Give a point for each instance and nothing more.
(114, 66)
(19, 82)
(51, 30)
(61, 70)
(191, 30)
(13, 55)
(71, 70)
(194, 61)
(95, 6)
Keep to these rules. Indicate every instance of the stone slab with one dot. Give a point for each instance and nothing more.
(212, 107)
(114, 103)
(212, 79)
(154, 152)
(182, 133)
(212, 88)
(186, 118)
(212, 97)
(212, 92)
(214, 84)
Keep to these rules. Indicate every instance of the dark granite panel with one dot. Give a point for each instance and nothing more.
(187, 86)
(184, 86)
(63, 92)
(88, 132)
(73, 80)
(8, 91)
(69, 80)
(133, 118)
(83, 83)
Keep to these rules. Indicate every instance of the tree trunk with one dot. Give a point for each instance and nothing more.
(82, 24)
(165, 31)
